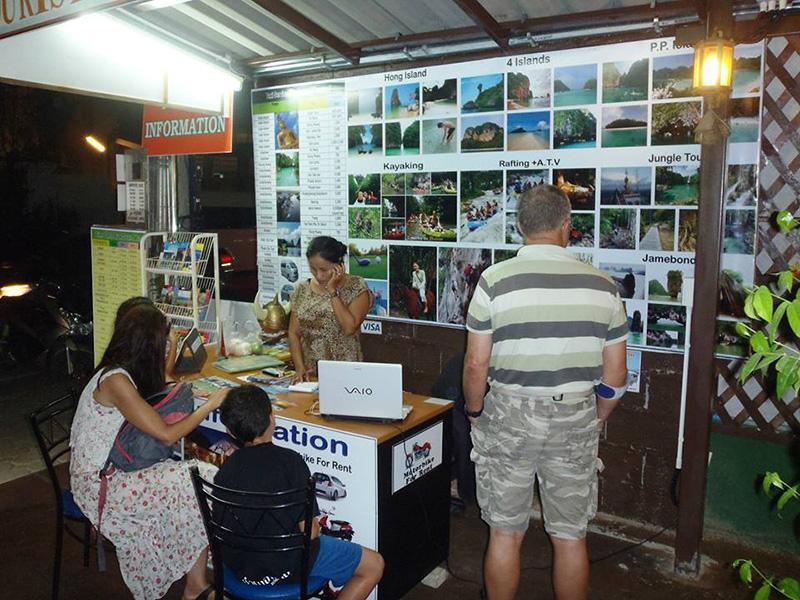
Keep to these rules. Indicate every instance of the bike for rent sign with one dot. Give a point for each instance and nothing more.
(415, 456)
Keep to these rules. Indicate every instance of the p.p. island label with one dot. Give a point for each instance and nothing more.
(416, 456)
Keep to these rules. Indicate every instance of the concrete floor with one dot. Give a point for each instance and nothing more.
(621, 568)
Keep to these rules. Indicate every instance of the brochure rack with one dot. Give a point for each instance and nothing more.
(180, 273)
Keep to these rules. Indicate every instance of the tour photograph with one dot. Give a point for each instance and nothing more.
(626, 186)
(368, 260)
(481, 207)
(574, 86)
(439, 98)
(528, 89)
(630, 279)
(412, 282)
(657, 230)
(364, 106)
(459, 272)
(625, 81)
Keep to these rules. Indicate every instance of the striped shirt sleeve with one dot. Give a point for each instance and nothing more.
(479, 316)
(618, 326)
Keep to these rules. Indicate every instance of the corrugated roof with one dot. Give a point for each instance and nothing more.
(241, 31)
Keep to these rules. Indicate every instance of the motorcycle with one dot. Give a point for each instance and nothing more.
(37, 331)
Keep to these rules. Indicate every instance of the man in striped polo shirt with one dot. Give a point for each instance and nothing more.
(546, 331)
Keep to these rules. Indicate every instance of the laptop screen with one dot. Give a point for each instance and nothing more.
(360, 389)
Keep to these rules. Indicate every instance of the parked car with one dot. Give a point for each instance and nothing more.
(329, 486)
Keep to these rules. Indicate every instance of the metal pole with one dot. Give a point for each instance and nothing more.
(713, 133)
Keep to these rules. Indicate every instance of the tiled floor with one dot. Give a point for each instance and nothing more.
(19, 396)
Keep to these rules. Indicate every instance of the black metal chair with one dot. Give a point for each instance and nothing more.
(224, 511)
(51, 426)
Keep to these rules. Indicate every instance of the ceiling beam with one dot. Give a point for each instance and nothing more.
(483, 19)
(299, 21)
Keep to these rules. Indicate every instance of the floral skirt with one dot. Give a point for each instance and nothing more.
(152, 518)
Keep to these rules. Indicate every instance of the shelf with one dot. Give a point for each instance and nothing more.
(175, 310)
(180, 262)
(174, 267)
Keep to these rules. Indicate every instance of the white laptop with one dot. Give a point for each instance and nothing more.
(361, 390)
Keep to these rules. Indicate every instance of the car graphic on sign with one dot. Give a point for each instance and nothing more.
(329, 486)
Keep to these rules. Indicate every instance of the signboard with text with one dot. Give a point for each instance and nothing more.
(169, 131)
(416, 456)
(116, 276)
(18, 16)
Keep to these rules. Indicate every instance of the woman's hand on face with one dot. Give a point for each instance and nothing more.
(336, 279)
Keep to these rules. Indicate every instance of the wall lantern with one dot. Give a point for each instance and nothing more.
(713, 65)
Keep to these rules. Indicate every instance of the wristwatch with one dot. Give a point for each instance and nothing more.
(473, 413)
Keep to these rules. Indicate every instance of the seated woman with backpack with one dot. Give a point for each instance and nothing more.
(150, 515)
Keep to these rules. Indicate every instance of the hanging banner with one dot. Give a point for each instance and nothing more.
(169, 131)
(19, 16)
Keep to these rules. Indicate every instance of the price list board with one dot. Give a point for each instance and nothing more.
(301, 180)
(116, 276)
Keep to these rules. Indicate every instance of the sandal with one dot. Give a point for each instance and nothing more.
(206, 594)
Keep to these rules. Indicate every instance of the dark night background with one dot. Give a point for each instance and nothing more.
(53, 186)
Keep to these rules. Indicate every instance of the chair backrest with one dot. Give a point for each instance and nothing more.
(234, 519)
(51, 426)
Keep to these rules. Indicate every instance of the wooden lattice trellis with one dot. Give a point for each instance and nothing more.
(779, 189)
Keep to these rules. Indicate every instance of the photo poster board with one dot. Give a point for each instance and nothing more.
(345, 466)
(437, 157)
(116, 276)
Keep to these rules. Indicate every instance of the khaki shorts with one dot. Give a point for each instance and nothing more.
(518, 439)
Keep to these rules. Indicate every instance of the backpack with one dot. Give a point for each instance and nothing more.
(133, 449)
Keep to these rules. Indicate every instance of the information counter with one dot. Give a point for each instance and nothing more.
(385, 486)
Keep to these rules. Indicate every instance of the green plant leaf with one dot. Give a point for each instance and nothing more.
(746, 571)
(763, 591)
(749, 366)
(783, 383)
(790, 587)
(762, 303)
(770, 478)
(748, 306)
(759, 343)
(742, 330)
(784, 363)
(793, 315)
(787, 495)
(786, 221)
(785, 280)
(765, 362)
(777, 316)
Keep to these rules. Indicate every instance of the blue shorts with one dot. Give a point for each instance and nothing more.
(337, 560)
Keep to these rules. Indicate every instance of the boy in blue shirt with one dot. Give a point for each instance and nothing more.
(261, 466)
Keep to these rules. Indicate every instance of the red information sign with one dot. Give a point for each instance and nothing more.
(169, 131)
